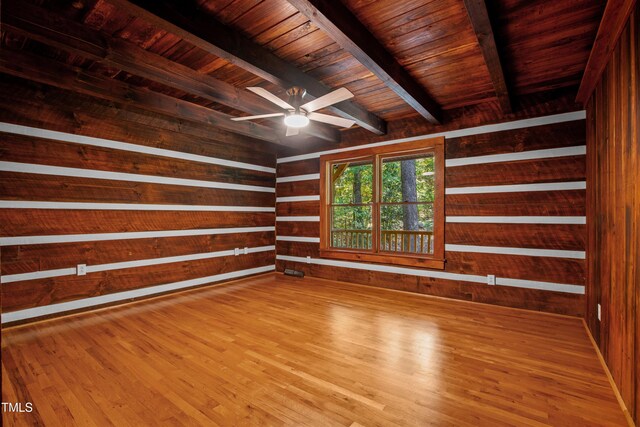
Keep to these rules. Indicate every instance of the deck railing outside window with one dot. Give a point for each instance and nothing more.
(390, 240)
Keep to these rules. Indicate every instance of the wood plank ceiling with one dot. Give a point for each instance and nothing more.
(543, 45)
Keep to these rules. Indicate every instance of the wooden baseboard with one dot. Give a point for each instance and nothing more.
(626, 412)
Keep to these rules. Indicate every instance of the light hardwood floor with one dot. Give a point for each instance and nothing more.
(273, 350)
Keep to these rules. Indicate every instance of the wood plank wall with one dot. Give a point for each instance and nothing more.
(176, 209)
(539, 263)
(613, 171)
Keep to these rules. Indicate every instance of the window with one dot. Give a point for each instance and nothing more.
(384, 204)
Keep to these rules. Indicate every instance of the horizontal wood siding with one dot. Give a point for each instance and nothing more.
(613, 173)
(29, 222)
(531, 299)
(34, 293)
(197, 200)
(479, 239)
(19, 259)
(78, 114)
(26, 186)
(568, 202)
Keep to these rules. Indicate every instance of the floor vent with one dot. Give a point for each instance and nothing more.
(295, 273)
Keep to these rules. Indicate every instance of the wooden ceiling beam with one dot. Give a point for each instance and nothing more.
(63, 76)
(613, 22)
(41, 25)
(481, 23)
(202, 30)
(344, 28)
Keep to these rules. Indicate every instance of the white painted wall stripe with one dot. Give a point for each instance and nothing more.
(71, 238)
(308, 177)
(121, 176)
(127, 295)
(299, 218)
(123, 146)
(544, 286)
(21, 204)
(10, 278)
(168, 260)
(435, 274)
(479, 219)
(523, 155)
(548, 186)
(297, 199)
(514, 188)
(298, 239)
(518, 219)
(553, 253)
(44, 274)
(478, 130)
(476, 160)
(386, 268)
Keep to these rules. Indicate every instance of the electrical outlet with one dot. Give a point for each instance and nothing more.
(236, 251)
(599, 312)
(246, 251)
(308, 260)
(81, 270)
(491, 279)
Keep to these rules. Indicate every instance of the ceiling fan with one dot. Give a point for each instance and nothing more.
(298, 115)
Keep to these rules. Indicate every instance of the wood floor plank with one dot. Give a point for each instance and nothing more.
(275, 350)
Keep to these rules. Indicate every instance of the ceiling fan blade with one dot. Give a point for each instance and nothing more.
(270, 97)
(261, 116)
(332, 120)
(292, 131)
(334, 97)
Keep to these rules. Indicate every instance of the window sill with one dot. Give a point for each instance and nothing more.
(408, 260)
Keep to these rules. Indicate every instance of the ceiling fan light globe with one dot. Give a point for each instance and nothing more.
(296, 120)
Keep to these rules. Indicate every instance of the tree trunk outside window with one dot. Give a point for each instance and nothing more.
(409, 194)
(357, 197)
(357, 187)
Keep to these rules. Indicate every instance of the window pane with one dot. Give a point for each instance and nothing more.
(407, 228)
(352, 183)
(408, 179)
(351, 227)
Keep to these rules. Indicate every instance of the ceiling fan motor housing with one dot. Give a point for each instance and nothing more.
(296, 93)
